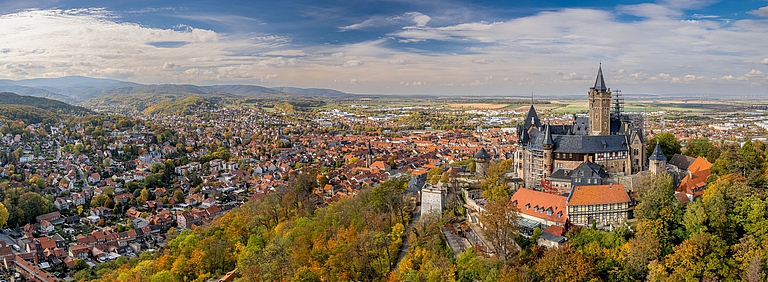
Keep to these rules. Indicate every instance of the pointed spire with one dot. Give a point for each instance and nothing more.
(657, 154)
(370, 151)
(532, 119)
(600, 82)
(548, 136)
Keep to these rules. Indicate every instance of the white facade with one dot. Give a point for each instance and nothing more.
(432, 200)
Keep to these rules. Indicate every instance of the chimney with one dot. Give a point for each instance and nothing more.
(585, 158)
(590, 159)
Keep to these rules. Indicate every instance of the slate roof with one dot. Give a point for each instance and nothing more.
(482, 154)
(600, 82)
(532, 119)
(657, 155)
(590, 170)
(589, 144)
(681, 162)
(548, 137)
(560, 174)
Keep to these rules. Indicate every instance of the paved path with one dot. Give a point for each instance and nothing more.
(406, 244)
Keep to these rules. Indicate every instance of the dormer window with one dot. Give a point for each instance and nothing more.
(549, 212)
(559, 214)
(527, 206)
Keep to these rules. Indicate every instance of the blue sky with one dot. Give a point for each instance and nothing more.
(398, 46)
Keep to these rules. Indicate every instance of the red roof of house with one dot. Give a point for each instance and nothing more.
(696, 178)
(537, 204)
(598, 194)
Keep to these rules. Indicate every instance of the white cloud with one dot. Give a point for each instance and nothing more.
(354, 81)
(337, 55)
(419, 19)
(765, 61)
(352, 63)
(763, 12)
(169, 65)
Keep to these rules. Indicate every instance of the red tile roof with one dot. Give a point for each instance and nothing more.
(598, 194)
(696, 178)
(538, 203)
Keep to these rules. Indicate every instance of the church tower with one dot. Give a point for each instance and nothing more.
(599, 106)
(369, 156)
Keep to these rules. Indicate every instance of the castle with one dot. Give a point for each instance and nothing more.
(606, 139)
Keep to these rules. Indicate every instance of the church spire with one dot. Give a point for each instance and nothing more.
(600, 82)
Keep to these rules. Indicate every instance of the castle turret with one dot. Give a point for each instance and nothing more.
(657, 160)
(548, 146)
(482, 161)
(599, 106)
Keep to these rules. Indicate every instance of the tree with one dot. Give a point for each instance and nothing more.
(3, 215)
(33, 205)
(496, 185)
(500, 223)
(143, 197)
(669, 144)
(564, 264)
(99, 200)
(179, 196)
(659, 200)
(80, 264)
(698, 147)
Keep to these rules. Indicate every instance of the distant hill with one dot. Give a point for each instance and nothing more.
(311, 91)
(110, 94)
(35, 92)
(245, 90)
(7, 98)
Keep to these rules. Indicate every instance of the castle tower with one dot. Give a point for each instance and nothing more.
(548, 146)
(600, 106)
(657, 161)
(482, 161)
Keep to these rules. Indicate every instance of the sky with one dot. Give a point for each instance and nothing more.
(397, 46)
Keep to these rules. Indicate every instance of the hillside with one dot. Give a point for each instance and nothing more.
(178, 107)
(80, 90)
(7, 98)
(28, 114)
(34, 92)
(245, 90)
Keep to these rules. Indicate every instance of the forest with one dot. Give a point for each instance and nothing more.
(721, 236)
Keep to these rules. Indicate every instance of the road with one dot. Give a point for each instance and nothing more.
(406, 244)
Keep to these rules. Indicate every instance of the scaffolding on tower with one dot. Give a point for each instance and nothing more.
(618, 104)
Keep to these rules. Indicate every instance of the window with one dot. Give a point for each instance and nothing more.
(527, 206)
(559, 214)
(605, 207)
(549, 212)
(575, 208)
(590, 207)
